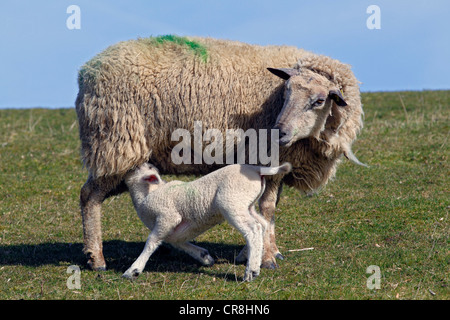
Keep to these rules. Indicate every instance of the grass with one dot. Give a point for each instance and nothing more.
(393, 215)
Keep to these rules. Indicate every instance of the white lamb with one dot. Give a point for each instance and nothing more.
(177, 212)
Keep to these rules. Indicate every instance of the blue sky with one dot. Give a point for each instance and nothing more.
(40, 56)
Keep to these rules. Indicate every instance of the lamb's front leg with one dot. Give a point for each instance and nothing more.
(163, 227)
(153, 242)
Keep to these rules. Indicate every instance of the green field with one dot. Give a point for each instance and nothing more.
(393, 214)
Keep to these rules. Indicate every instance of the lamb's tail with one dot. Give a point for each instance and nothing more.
(270, 171)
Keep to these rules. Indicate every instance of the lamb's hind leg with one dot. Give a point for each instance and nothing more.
(267, 205)
(252, 231)
(254, 240)
(196, 252)
(243, 255)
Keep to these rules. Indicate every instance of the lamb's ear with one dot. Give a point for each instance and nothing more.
(336, 95)
(284, 73)
(152, 178)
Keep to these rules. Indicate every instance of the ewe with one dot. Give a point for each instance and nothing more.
(136, 93)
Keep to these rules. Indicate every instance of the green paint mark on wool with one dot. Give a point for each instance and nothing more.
(196, 47)
(89, 71)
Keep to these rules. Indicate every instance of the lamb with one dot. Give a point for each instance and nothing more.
(177, 211)
(136, 93)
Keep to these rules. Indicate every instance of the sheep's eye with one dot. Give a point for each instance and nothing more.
(317, 103)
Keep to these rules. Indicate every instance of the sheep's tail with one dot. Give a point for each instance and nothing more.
(270, 171)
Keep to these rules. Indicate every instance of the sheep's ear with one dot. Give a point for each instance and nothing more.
(336, 95)
(284, 73)
(153, 179)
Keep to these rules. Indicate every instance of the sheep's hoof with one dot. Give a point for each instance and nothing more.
(96, 264)
(133, 274)
(279, 256)
(269, 264)
(101, 268)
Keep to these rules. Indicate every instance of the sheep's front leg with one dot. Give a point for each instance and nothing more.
(92, 196)
(267, 206)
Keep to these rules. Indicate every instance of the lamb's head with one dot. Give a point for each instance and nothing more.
(146, 177)
(308, 101)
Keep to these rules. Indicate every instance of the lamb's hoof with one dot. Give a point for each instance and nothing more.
(241, 257)
(250, 275)
(208, 261)
(131, 274)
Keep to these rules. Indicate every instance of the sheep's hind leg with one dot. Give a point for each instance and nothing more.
(200, 254)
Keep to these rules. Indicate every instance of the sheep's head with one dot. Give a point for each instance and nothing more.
(309, 99)
(145, 176)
